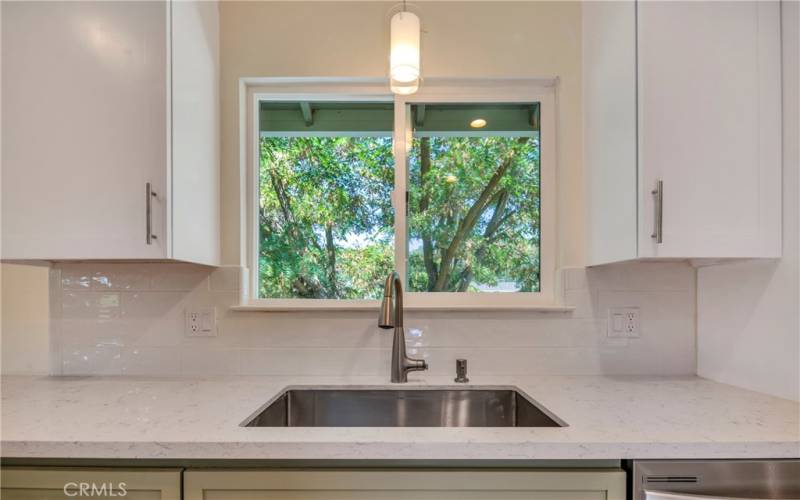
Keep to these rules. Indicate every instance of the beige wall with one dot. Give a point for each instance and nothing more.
(460, 39)
(25, 319)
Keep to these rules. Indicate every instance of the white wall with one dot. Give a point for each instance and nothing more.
(25, 319)
(748, 328)
(129, 318)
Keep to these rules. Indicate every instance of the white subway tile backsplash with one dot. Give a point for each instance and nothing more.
(583, 301)
(652, 305)
(204, 361)
(545, 332)
(76, 279)
(126, 319)
(654, 277)
(225, 279)
(167, 332)
(575, 278)
(322, 361)
(93, 305)
(104, 277)
(182, 277)
(516, 361)
(98, 359)
(87, 331)
(605, 277)
(641, 276)
(121, 277)
(150, 304)
(161, 361)
(321, 332)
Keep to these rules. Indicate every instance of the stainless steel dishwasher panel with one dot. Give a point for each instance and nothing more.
(716, 479)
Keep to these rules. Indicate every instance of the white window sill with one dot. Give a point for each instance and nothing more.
(372, 305)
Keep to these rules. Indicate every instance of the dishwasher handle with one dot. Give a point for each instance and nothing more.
(666, 495)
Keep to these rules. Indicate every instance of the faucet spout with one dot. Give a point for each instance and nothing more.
(391, 316)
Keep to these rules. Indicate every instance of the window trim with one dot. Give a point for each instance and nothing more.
(254, 90)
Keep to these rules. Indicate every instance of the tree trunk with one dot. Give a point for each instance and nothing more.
(307, 289)
(500, 201)
(424, 202)
(468, 223)
(330, 248)
(304, 286)
(473, 215)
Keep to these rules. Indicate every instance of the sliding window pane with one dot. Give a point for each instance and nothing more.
(474, 205)
(325, 216)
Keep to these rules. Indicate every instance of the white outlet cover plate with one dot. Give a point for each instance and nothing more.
(201, 322)
(624, 322)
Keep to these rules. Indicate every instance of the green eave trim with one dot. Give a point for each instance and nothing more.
(450, 118)
(330, 118)
(326, 117)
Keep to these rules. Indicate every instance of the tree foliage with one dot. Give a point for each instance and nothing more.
(474, 220)
(326, 221)
(325, 218)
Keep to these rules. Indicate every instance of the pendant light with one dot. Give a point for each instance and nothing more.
(404, 54)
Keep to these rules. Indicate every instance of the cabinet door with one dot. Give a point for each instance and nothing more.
(84, 128)
(405, 485)
(709, 127)
(63, 483)
(195, 131)
(609, 129)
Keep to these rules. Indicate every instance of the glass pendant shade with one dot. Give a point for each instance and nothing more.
(404, 57)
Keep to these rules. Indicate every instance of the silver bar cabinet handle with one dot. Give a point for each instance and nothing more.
(149, 195)
(658, 204)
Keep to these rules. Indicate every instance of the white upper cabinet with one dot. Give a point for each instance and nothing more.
(100, 100)
(693, 108)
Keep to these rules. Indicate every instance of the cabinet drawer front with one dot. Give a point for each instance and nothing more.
(401, 495)
(60, 493)
(405, 484)
(63, 483)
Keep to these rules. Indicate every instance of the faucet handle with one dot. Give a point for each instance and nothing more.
(461, 371)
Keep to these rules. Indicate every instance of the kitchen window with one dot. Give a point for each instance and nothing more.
(473, 199)
(325, 218)
(452, 187)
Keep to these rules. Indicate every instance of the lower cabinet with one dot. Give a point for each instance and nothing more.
(57, 483)
(53, 483)
(562, 484)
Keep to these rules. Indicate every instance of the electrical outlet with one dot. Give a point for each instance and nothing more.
(201, 322)
(624, 322)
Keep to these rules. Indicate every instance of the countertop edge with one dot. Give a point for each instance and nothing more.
(395, 451)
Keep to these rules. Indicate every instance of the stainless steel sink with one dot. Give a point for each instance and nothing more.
(407, 407)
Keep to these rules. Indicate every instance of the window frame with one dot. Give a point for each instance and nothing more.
(435, 91)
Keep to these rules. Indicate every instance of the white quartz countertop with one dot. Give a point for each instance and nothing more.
(182, 418)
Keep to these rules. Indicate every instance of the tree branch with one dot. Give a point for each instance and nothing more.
(283, 200)
(500, 200)
(468, 222)
(424, 202)
(330, 248)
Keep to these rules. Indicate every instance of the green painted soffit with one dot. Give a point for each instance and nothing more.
(457, 117)
(289, 117)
